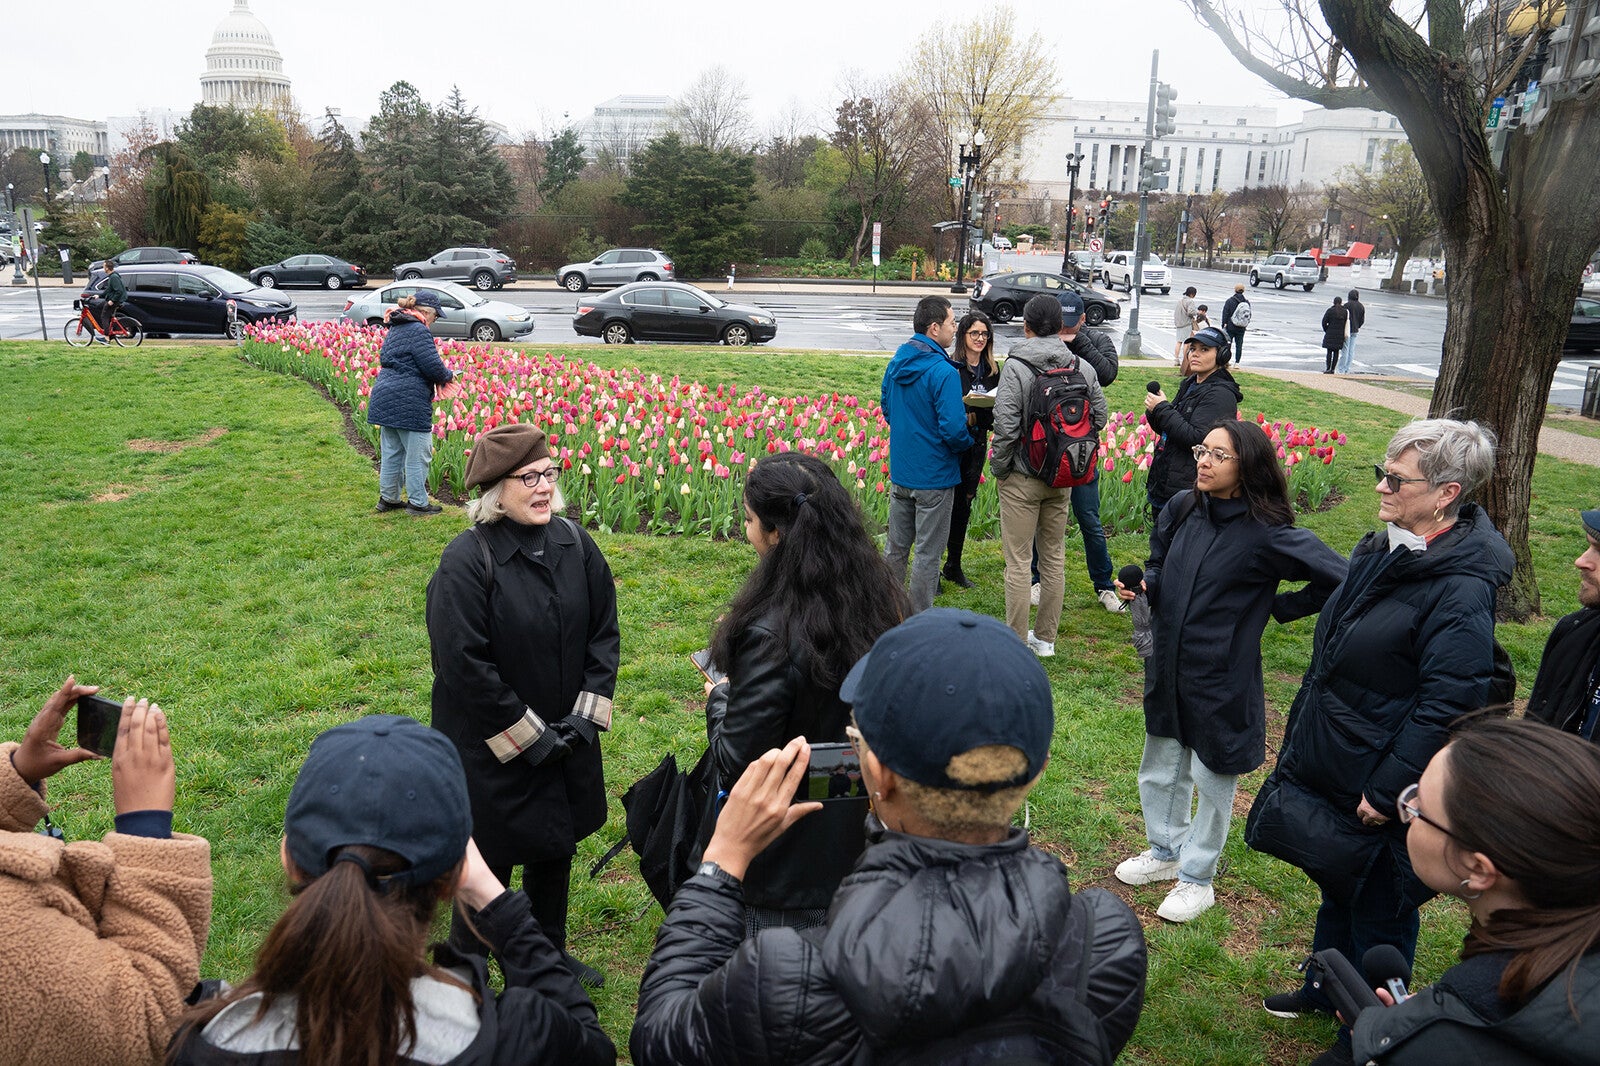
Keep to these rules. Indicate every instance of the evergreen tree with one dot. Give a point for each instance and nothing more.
(563, 162)
(695, 202)
(179, 193)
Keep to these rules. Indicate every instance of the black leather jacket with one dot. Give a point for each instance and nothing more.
(926, 939)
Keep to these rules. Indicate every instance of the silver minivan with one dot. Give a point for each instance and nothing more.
(619, 266)
(1286, 268)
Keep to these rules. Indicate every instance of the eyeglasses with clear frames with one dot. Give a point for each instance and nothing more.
(1216, 455)
(531, 478)
(1406, 805)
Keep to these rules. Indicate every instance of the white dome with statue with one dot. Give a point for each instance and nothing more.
(243, 67)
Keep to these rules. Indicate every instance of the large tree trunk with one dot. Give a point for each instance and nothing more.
(1397, 277)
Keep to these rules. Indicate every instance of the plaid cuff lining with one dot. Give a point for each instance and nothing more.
(510, 743)
(593, 707)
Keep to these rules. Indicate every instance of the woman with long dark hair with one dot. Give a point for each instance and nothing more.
(1217, 556)
(1504, 818)
(819, 596)
(974, 359)
(377, 834)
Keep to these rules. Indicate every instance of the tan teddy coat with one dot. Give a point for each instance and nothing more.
(99, 940)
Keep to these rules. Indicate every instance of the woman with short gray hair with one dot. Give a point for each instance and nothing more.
(1403, 648)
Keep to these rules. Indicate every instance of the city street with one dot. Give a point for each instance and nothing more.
(1401, 337)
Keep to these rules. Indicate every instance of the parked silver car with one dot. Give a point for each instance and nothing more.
(466, 314)
(619, 266)
(1286, 268)
(485, 268)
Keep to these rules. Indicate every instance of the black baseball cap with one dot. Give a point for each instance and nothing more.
(1210, 337)
(943, 683)
(1591, 523)
(386, 781)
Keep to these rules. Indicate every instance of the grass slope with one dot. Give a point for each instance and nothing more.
(183, 526)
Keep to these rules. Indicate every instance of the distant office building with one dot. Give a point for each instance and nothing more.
(163, 122)
(623, 125)
(59, 135)
(243, 67)
(1215, 148)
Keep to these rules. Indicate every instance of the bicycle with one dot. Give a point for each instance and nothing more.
(81, 332)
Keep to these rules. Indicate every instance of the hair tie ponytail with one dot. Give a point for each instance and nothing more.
(799, 500)
(366, 869)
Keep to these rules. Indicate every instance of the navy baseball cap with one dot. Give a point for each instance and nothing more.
(1210, 337)
(385, 781)
(943, 683)
(1591, 523)
(1071, 308)
(430, 299)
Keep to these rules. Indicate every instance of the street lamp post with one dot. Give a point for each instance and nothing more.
(1074, 161)
(969, 173)
(44, 161)
(16, 229)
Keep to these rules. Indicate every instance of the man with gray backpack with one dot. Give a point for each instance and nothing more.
(1236, 315)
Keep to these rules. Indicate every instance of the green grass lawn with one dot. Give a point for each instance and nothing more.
(184, 526)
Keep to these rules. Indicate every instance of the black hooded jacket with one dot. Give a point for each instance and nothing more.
(1566, 678)
(1184, 422)
(927, 939)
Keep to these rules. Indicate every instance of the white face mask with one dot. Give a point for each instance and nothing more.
(1404, 538)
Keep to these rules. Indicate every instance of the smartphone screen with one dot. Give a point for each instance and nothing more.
(702, 662)
(98, 719)
(834, 773)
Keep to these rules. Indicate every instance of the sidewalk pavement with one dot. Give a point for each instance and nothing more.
(1558, 443)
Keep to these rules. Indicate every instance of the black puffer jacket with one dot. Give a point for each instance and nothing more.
(769, 699)
(1561, 691)
(1184, 422)
(926, 939)
(1458, 1019)
(1403, 648)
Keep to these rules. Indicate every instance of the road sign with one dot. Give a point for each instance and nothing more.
(1096, 244)
(955, 183)
(877, 242)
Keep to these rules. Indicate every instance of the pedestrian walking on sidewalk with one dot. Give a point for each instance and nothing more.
(1358, 318)
(1335, 324)
(1183, 321)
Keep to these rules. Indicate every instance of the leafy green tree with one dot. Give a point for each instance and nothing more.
(563, 162)
(464, 175)
(82, 166)
(268, 242)
(340, 214)
(395, 146)
(217, 137)
(179, 193)
(223, 237)
(874, 134)
(695, 202)
(21, 169)
(1397, 196)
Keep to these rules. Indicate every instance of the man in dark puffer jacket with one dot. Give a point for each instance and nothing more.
(950, 935)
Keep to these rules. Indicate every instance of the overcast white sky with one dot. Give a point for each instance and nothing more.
(525, 64)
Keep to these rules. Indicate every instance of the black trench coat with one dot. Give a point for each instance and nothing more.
(1212, 582)
(545, 632)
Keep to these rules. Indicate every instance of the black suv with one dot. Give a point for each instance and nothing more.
(177, 298)
(483, 268)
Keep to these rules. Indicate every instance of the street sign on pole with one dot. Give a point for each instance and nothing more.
(32, 241)
(1096, 244)
(955, 183)
(877, 242)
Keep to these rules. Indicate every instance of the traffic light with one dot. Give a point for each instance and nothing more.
(1088, 224)
(1105, 205)
(1074, 212)
(1153, 173)
(1166, 110)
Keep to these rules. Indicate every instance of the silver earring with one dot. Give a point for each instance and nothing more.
(1464, 883)
(878, 796)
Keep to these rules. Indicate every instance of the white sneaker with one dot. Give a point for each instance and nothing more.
(1144, 868)
(1111, 601)
(1043, 649)
(1185, 902)
(1033, 594)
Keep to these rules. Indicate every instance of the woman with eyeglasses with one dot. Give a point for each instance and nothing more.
(819, 595)
(1504, 818)
(974, 359)
(1402, 650)
(1217, 557)
(522, 621)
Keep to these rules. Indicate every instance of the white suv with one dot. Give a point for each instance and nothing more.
(1118, 270)
(1286, 268)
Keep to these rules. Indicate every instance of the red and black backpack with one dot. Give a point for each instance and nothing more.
(1059, 445)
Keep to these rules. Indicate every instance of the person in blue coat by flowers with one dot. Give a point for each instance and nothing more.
(401, 403)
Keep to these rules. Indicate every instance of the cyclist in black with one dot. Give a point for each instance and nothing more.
(113, 295)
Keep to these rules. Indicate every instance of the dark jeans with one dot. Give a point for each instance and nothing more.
(1086, 512)
(1379, 914)
(1238, 343)
(972, 461)
(546, 885)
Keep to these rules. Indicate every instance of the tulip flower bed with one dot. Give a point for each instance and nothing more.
(644, 453)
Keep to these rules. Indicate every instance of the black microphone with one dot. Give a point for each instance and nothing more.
(1153, 388)
(1387, 968)
(1130, 576)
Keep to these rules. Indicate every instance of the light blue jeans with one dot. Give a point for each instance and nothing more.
(919, 526)
(404, 453)
(1169, 776)
(1345, 356)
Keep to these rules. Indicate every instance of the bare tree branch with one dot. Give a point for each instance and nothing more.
(1242, 41)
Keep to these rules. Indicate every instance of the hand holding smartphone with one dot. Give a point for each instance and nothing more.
(98, 719)
(702, 662)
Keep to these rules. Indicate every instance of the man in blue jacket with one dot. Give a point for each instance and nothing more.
(927, 434)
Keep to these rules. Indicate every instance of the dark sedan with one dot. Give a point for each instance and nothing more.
(177, 298)
(670, 311)
(1001, 296)
(1584, 333)
(314, 271)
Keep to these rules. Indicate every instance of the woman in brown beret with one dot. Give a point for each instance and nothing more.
(522, 621)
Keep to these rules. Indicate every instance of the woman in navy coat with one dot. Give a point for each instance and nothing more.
(401, 403)
(1217, 555)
